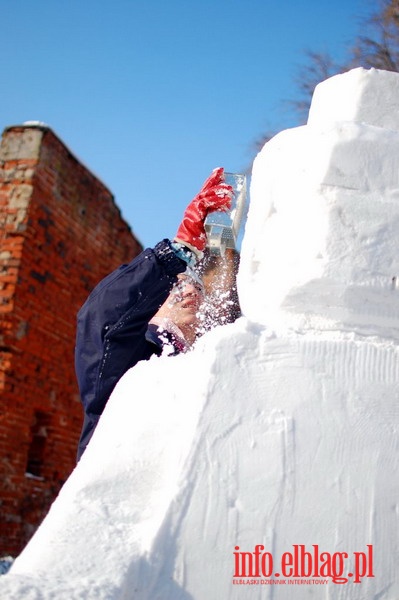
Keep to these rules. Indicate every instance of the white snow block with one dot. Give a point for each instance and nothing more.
(290, 441)
(321, 249)
(368, 96)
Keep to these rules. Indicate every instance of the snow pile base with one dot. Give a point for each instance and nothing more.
(263, 464)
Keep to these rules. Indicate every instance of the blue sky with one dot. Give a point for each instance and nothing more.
(151, 95)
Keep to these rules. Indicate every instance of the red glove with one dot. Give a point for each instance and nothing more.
(214, 195)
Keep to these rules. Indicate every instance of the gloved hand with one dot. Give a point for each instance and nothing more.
(214, 195)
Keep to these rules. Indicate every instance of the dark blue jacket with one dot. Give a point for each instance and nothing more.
(112, 327)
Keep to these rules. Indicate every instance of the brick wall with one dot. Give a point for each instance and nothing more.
(60, 233)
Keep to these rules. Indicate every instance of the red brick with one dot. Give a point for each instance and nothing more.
(45, 248)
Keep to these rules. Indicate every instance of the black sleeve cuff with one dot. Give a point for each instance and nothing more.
(168, 257)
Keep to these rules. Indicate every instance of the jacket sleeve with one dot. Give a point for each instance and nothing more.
(112, 324)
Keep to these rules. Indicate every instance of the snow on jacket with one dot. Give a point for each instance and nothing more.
(112, 327)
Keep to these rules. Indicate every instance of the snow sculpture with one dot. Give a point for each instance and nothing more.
(320, 249)
(279, 466)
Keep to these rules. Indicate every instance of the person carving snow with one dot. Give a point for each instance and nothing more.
(144, 307)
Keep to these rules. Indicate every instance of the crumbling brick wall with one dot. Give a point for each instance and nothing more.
(60, 233)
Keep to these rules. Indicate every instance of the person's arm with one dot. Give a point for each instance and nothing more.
(112, 323)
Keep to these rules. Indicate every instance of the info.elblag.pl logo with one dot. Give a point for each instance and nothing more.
(300, 565)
